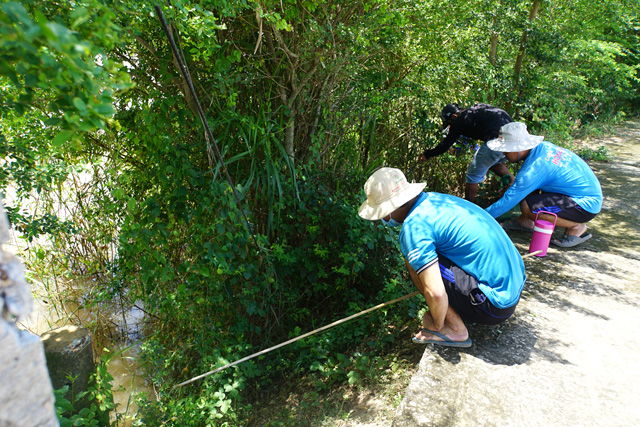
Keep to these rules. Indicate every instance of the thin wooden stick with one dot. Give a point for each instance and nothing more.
(331, 325)
(315, 331)
(531, 254)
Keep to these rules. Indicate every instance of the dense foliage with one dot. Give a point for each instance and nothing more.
(117, 190)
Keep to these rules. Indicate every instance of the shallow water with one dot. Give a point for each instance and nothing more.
(121, 337)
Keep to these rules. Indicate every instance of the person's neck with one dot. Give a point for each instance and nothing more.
(523, 154)
(401, 213)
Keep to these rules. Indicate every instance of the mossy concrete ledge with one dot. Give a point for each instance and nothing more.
(69, 356)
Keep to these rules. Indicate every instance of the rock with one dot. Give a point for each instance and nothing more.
(26, 396)
(69, 357)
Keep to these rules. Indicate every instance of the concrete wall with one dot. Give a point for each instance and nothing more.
(26, 394)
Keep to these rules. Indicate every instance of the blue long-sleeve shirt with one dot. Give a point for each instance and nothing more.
(552, 169)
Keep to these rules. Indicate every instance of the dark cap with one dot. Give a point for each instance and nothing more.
(447, 112)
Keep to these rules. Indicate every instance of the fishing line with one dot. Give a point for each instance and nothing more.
(325, 327)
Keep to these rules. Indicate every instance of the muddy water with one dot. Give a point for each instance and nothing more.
(117, 331)
(114, 329)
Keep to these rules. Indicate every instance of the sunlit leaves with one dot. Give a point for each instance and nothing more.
(43, 59)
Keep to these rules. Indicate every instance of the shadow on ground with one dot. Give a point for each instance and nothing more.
(508, 344)
(566, 358)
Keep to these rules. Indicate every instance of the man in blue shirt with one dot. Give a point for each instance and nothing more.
(567, 185)
(458, 256)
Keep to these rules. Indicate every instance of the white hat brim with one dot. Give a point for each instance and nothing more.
(511, 146)
(383, 209)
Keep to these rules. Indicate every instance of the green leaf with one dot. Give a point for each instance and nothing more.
(53, 121)
(117, 193)
(353, 377)
(62, 137)
(104, 109)
(80, 105)
(81, 15)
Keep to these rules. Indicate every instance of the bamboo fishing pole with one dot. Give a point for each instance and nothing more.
(187, 78)
(315, 331)
(330, 325)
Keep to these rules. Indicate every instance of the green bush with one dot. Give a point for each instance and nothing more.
(223, 299)
(600, 154)
(99, 397)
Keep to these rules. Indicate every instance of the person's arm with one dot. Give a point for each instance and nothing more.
(444, 145)
(514, 195)
(529, 179)
(429, 283)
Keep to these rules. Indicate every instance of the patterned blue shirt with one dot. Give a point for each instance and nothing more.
(468, 236)
(552, 169)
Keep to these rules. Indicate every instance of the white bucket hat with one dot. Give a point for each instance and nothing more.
(387, 190)
(514, 137)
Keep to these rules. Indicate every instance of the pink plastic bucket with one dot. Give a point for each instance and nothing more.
(542, 231)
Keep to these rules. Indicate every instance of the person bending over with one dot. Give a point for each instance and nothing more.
(481, 122)
(459, 258)
(551, 179)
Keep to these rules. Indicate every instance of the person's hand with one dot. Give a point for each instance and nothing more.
(512, 179)
(507, 181)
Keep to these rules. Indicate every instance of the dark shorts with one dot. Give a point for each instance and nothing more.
(467, 299)
(559, 204)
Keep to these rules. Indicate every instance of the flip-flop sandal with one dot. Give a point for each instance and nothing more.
(568, 241)
(445, 341)
(513, 224)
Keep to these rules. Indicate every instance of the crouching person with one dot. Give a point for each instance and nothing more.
(458, 256)
(551, 179)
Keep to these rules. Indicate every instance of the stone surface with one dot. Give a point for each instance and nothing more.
(15, 298)
(569, 356)
(69, 357)
(4, 225)
(26, 395)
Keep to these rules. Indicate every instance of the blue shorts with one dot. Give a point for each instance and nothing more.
(483, 159)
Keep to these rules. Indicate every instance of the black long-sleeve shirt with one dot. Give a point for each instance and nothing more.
(481, 121)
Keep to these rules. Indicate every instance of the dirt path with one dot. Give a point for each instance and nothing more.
(570, 355)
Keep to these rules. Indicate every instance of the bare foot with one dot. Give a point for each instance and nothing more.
(446, 331)
(525, 222)
(576, 230)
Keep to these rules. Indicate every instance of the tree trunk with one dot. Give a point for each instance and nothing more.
(493, 53)
(525, 38)
(493, 42)
(493, 49)
(518, 66)
(289, 133)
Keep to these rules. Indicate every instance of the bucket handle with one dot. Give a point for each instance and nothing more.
(550, 213)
